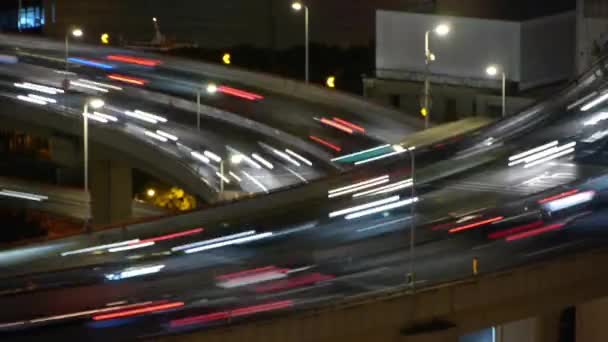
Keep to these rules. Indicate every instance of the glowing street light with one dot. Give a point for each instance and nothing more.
(151, 193)
(492, 71)
(76, 33)
(440, 30)
(298, 6)
(211, 89)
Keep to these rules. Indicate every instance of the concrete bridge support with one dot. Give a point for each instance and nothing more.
(111, 191)
(592, 321)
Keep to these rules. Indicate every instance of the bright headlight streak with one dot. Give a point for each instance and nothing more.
(39, 88)
(596, 118)
(42, 98)
(104, 85)
(548, 152)
(88, 86)
(200, 157)
(130, 247)
(151, 116)
(213, 156)
(299, 176)
(382, 208)
(229, 243)
(360, 153)
(212, 241)
(356, 185)
(299, 157)
(364, 206)
(263, 161)
(238, 179)
(584, 99)
(252, 279)
(135, 272)
(553, 157)
(595, 102)
(95, 117)
(257, 182)
(83, 313)
(106, 116)
(386, 189)
(31, 100)
(23, 195)
(156, 136)
(362, 187)
(167, 135)
(570, 201)
(534, 150)
(141, 117)
(384, 156)
(222, 177)
(286, 157)
(97, 248)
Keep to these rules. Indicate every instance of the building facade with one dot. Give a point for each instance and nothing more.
(592, 32)
(525, 50)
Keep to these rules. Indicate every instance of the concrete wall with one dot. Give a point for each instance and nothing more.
(592, 29)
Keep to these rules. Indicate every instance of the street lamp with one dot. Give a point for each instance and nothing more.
(410, 150)
(441, 31)
(298, 6)
(95, 104)
(492, 71)
(211, 89)
(76, 33)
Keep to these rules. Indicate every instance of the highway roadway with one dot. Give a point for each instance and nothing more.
(505, 199)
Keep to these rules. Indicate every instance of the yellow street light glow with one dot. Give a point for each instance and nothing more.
(442, 30)
(297, 6)
(226, 58)
(151, 192)
(105, 38)
(492, 70)
(77, 32)
(331, 81)
(424, 112)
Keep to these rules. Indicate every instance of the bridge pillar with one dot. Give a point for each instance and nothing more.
(544, 328)
(111, 191)
(591, 321)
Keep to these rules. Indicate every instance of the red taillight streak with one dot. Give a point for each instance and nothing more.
(240, 93)
(292, 283)
(172, 236)
(337, 125)
(476, 224)
(134, 312)
(127, 79)
(350, 124)
(216, 316)
(503, 233)
(534, 232)
(134, 60)
(251, 272)
(558, 196)
(325, 143)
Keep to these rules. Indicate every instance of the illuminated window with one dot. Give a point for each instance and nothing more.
(31, 17)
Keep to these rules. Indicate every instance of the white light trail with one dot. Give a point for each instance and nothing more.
(366, 185)
(97, 248)
(286, 157)
(384, 156)
(167, 135)
(356, 185)
(151, 116)
(156, 136)
(213, 156)
(545, 153)
(252, 279)
(229, 243)
(364, 206)
(386, 189)
(88, 86)
(106, 116)
(95, 117)
(222, 177)
(299, 157)
(302, 178)
(257, 182)
(263, 161)
(534, 150)
(131, 247)
(23, 195)
(570, 201)
(141, 117)
(42, 98)
(238, 179)
(39, 88)
(552, 157)
(584, 99)
(212, 241)
(595, 102)
(31, 100)
(200, 157)
(596, 118)
(135, 272)
(360, 153)
(109, 86)
(382, 208)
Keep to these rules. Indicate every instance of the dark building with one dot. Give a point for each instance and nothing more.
(21, 15)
